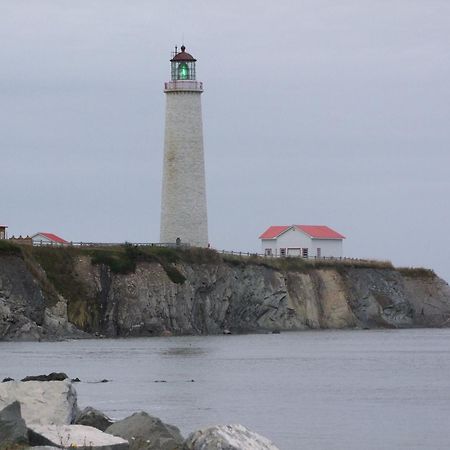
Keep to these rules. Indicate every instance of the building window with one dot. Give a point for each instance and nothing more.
(305, 252)
(268, 252)
(2, 235)
(282, 252)
(319, 252)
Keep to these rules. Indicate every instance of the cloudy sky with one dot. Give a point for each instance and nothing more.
(315, 112)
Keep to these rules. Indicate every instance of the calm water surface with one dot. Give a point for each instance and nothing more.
(308, 390)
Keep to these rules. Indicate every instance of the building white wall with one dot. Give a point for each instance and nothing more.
(328, 247)
(183, 203)
(41, 238)
(293, 240)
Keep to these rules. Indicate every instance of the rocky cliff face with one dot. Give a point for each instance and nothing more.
(212, 297)
(25, 313)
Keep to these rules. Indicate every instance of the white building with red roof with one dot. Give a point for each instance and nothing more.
(316, 241)
(48, 239)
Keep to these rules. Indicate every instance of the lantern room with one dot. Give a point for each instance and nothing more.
(182, 65)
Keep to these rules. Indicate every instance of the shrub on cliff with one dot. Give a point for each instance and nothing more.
(417, 272)
(123, 259)
(8, 248)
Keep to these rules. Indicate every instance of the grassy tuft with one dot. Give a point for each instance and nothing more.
(118, 262)
(417, 272)
(123, 259)
(196, 255)
(59, 267)
(9, 248)
(297, 264)
(174, 274)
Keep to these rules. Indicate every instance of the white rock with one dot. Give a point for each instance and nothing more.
(42, 402)
(76, 436)
(227, 437)
(43, 447)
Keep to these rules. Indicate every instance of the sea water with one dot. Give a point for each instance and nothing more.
(315, 390)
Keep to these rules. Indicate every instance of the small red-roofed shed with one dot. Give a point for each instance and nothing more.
(42, 238)
(317, 241)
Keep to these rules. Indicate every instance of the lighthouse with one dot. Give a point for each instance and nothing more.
(183, 204)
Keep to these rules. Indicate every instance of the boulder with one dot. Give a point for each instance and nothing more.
(13, 430)
(93, 418)
(227, 437)
(43, 447)
(54, 376)
(42, 402)
(145, 432)
(80, 437)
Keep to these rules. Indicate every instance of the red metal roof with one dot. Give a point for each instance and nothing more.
(314, 231)
(183, 55)
(52, 237)
(320, 232)
(274, 231)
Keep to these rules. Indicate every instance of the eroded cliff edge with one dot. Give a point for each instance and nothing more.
(51, 293)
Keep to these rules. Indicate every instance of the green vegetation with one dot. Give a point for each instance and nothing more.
(13, 446)
(123, 259)
(9, 248)
(291, 264)
(59, 267)
(58, 272)
(417, 272)
(117, 261)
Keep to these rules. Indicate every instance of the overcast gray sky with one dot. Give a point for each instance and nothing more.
(315, 112)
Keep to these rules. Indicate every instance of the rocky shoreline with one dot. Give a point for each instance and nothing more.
(42, 412)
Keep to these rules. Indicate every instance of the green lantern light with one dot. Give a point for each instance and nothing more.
(183, 71)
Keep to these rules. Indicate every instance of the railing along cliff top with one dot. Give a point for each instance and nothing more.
(236, 253)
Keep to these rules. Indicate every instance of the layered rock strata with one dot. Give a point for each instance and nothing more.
(213, 298)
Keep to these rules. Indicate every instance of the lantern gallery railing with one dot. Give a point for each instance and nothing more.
(183, 85)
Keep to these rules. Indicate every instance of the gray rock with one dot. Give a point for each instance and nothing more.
(25, 313)
(12, 427)
(42, 447)
(219, 296)
(54, 376)
(145, 432)
(74, 436)
(227, 437)
(93, 418)
(42, 402)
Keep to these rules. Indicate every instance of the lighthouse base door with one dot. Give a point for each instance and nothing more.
(293, 252)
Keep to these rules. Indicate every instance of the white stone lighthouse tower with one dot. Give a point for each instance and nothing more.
(183, 206)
